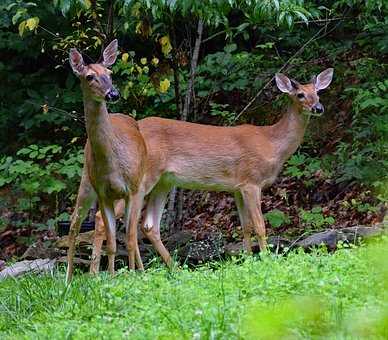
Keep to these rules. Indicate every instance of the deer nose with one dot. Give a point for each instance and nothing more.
(318, 108)
(112, 95)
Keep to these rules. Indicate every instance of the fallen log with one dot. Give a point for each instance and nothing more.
(28, 267)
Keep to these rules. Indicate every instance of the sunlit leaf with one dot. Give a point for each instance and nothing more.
(32, 23)
(164, 85)
(166, 45)
(22, 26)
(125, 57)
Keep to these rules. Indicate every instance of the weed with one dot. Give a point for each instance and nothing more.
(303, 295)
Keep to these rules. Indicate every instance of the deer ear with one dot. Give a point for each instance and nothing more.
(284, 83)
(76, 61)
(324, 79)
(110, 54)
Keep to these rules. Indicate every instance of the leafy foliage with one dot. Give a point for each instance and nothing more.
(365, 159)
(314, 219)
(277, 218)
(38, 171)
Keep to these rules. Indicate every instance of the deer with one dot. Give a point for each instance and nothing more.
(114, 163)
(242, 160)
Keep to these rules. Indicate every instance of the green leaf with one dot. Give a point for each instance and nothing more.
(65, 6)
(277, 5)
(230, 48)
(302, 16)
(289, 20)
(242, 27)
(19, 13)
(276, 218)
(33, 154)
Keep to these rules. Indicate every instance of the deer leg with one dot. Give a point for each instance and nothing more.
(85, 198)
(108, 216)
(132, 215)
(151, 223)
(130, 245)
(139, 202)
(245, 222)
(252, 200)
(99, 236)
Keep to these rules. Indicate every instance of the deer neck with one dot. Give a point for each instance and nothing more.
(288, 133)
(98, 128)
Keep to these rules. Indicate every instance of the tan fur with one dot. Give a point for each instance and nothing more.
(115, 162)
(242, 160)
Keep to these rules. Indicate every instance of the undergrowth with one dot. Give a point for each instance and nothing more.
(302, 295)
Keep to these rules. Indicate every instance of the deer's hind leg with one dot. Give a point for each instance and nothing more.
(100, 236)
(245, 222)
(251, 195)
(151, 224)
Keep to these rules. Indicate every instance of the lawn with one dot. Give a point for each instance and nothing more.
(301, 295)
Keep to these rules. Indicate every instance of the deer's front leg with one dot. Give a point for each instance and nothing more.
(85, 198)
(252, 201)
(108, 216)
(131, 221)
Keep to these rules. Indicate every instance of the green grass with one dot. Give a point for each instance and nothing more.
(317, 295)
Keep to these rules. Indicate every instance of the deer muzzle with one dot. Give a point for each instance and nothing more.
(318, 108)
(112, 95)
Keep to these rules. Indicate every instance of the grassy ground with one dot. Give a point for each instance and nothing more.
(315, 295)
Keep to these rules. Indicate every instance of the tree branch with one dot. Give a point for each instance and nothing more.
(316, 36)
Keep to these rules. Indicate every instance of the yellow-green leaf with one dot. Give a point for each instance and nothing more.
(164, 85)
(32, 23)
(87, 4)
(166, 45)
(22, 26)
(136, 10)
(138, 28)
(125, 57)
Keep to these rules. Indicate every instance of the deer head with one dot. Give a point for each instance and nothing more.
(96, 81)
(307, 95)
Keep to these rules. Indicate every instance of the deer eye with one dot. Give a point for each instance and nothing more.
(300, 95)
(89, 77)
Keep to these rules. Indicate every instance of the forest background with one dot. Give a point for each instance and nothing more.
(211, 62)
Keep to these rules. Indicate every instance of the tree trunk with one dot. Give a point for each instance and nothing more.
(170, 219)
(171, 214)
(187, 105)
(193, 68)
(109, 24)
(174, 216)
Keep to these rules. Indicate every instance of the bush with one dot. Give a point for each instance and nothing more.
(42, 174)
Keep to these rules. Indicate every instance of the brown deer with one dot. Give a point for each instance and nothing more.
(115, 160)
(242, 160)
